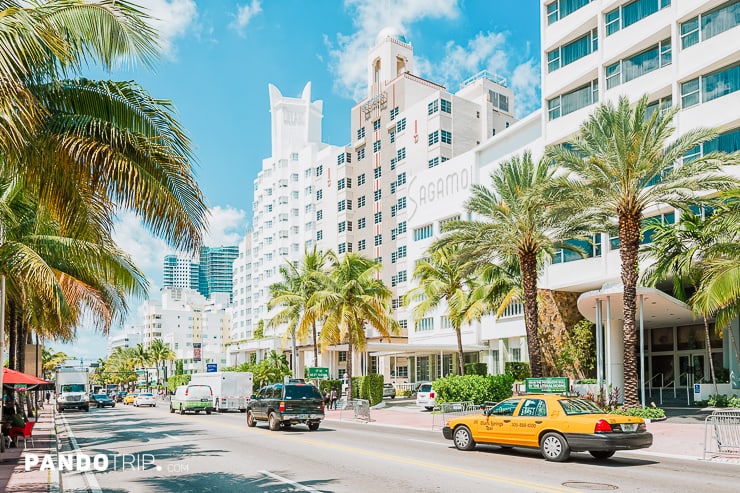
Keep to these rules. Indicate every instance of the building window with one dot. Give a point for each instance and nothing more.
(378, 194)
(629, 13)
(361, 245)
(425, 324)
(446, 137)
(393, 163)
(361, 153)
(402, 227)
(516, 354)
(589, 249)
(360, 133)
(649, 222)
(378, 217)
(392, 133)
(434, 137)
(433, 107)
(640, 64)
(561, 8)
(378, 172)
(423, 232)
(573, 100)
(401, 204)
(710, 86)
(401, 154)
(575, 50)
(393, 187)
(401, 180)
(376, 124)
(319, 235)
(378, 240)
(342, 226)
(376, 146)
(319, 170)
(401, 252)
(434, 162)
(360, 201)
(361, 223)
(341, 183)
(446, 106)
(727, 142)
(319, 194)
(342, 248)
(361, 179)
(401, 125)
(342, 356)
(340, 159)
(710, 24)
(344, 204)
(498, 100)
(394, 113)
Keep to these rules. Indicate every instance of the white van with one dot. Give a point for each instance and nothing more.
(194, 398)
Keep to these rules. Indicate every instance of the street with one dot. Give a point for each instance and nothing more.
(149, 449)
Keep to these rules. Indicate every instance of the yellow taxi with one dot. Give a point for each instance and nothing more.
(129, 399)
(556, 424)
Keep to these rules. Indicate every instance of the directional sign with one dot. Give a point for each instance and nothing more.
(211, 367)
(318, 372)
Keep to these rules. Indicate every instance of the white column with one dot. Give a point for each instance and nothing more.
(616, 346)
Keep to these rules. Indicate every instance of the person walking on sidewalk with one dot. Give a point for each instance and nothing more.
(48, 397)
(333, 397)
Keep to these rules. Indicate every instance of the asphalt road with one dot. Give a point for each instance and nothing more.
(150, 450)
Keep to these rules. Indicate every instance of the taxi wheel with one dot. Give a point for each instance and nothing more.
(463, 439)
(251, 422)
(601, 454)
(554, 447)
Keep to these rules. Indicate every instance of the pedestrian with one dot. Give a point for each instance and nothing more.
(327, 400)
(48, 397)
(333, 397)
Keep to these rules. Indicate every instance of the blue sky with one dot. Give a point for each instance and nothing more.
(218, 56)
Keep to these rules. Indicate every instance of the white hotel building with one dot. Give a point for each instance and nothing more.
(679, 52)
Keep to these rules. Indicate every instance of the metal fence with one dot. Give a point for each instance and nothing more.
(722, 434)
(362, 409)
(446, 410)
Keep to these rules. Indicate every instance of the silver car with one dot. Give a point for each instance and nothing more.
(425, 395)
(389, 390)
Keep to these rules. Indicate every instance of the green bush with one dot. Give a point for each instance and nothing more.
(327, 385)
(587, 381)
(475, 388)
(403, 392)
(476, 369)
(723, 400)
(641, 412)
(518, 370)
(371, 388)
(176, 380)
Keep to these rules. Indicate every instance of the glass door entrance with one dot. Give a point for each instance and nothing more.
(691, 368)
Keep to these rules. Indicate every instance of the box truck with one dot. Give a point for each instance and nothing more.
(72, 388)
(231, 389)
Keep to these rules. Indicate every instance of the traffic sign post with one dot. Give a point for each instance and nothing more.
(318, 372)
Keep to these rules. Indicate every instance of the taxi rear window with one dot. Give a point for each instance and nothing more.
(579, 406)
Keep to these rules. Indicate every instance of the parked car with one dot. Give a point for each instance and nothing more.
(285, 405)
(102, 400)
(194, 398)
(145, 399)
(129, 399)
(389, 390)
(425, 395)
(555, 424)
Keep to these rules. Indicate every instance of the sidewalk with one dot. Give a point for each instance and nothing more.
(13, 476)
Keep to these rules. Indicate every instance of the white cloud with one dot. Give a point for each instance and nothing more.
(486, 50)
(172, 19)
(227, 226)
(244, 14)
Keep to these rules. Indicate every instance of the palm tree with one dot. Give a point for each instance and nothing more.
(514, 225)
(141, 358)
(159, 354)
(294, 293)
(678, 251)
(610, 172)
(352, 297)
(447, 277)
(50, 360)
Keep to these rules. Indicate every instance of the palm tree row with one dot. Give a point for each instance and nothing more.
(120, 367)
(344, 294)
(73, 152)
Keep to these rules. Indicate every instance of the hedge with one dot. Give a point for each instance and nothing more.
(475, 388)
(476, 369)
(518, 370)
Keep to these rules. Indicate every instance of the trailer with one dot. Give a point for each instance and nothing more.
(231, 389)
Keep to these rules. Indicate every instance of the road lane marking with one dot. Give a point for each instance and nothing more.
(288, 481)
(427, 441)
(541, 487)
(172, 438)
(90, 479)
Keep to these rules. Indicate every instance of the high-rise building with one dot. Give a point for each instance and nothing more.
(215, 271)
(180, 271)
(242, 292)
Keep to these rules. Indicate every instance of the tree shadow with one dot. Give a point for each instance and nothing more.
(213, 482)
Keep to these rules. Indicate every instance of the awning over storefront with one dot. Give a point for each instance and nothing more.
(659, 309)
(391, 348)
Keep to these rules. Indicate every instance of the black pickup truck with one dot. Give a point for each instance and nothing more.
(286, 404)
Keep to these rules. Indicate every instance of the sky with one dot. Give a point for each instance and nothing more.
(218, 57)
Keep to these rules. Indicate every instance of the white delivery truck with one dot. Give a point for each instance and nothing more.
(231, 389)
(72, 388)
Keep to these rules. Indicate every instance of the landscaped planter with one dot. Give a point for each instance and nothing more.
(703, 391)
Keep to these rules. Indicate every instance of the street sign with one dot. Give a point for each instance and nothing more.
(552, 385)
(318, 372)
(211, 367)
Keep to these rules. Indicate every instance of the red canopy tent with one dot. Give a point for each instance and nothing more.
(12, 377)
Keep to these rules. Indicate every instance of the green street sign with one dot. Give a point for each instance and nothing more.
(318, 372)
(552, 385)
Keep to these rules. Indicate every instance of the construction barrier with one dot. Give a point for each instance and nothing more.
(362, 409)
(722, 434)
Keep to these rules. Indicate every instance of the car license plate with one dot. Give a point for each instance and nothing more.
(303, 416)
(205, 400)
(631, 427)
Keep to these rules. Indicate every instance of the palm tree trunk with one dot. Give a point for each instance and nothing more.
(709, 355)
(734, 345)
(460, 354)
(23, 339)
(293, 362)
(315, 346)
(12, 335)
(528, 263)
(629, 241)
(349, 366)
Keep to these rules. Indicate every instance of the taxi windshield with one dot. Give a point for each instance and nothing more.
(579, 406)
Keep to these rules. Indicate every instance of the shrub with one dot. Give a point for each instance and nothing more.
(641, 412)
(475, 388)
(371, 388)
(587, 381)
(176, 380)
(403, 392)
(476, 369)
(518, 370)
(723, 401)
